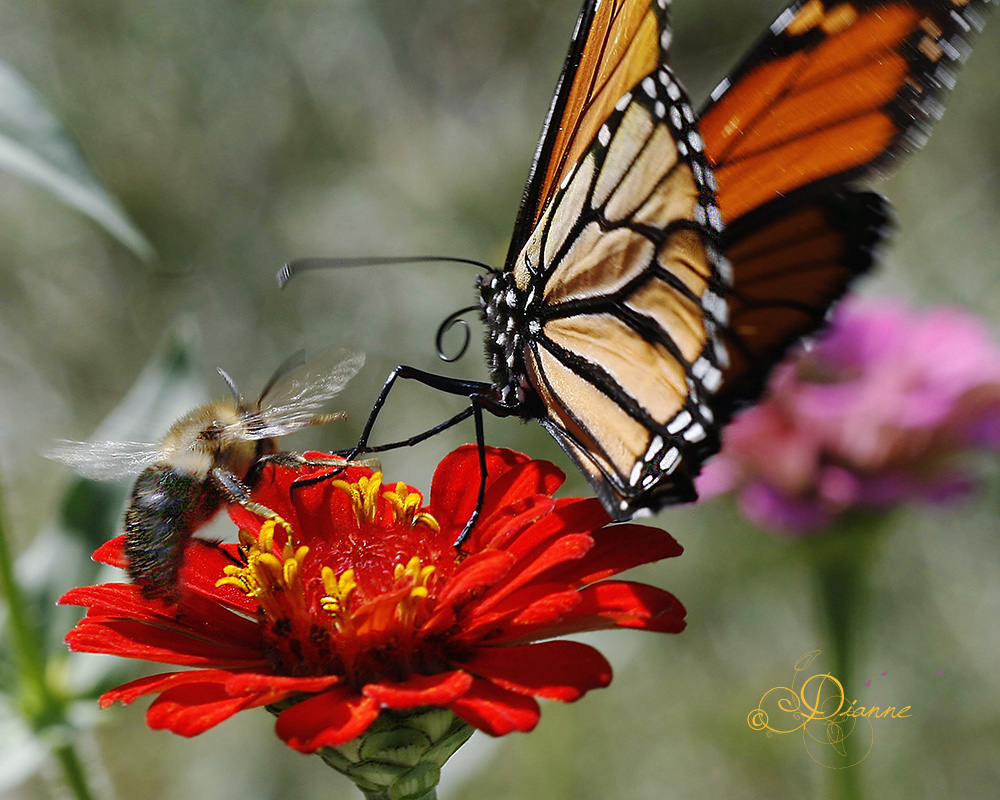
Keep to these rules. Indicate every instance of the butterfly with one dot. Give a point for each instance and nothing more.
(663, 260)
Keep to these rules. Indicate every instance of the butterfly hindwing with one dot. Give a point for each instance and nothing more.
(791, 260)
(834, 90)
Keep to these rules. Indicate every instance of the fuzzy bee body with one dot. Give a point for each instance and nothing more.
(210, 457)
(165, 508)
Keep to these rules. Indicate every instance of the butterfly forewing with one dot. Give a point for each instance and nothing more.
(623, 302)
(834, 89)
(616, 43)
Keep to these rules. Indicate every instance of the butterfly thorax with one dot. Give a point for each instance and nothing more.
(504, 308)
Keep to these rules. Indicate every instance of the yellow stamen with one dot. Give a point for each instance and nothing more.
(364, 495)
(406, 505)
(337, 589)
(267, 575)
(418, 576)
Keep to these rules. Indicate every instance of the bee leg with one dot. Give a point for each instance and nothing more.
(236, 491)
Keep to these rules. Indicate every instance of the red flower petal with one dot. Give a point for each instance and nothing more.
(454, 491)
(616, 549)
(199, 617)
(531, 606)
(326, 720)
(479, 571)
(112, 552)
(193, 708)
(526, 479)
(611, 604)
(420, 690)
(554, 670)
(263, 683)
(495, 710)
(203, 566)
(567, 548)
(133, 639)
(549, 608)
(506, 524)
(130, 692)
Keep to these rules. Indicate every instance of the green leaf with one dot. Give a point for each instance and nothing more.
(35, 146)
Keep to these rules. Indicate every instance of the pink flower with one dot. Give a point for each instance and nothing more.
(875, 414)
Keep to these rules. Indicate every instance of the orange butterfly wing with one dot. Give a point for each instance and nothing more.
(615, 44)
(793, 258)
(833, 91)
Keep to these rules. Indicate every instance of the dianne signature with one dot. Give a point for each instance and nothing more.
(836, 734)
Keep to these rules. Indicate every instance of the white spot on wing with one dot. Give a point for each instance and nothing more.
(679, 422)
(670, 459)
(695, 433)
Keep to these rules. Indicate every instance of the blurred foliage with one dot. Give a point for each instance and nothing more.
(36, 147)
(241, 134)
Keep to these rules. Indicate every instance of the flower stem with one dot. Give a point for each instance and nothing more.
(840, 560)
(73, 773)
(39, 702)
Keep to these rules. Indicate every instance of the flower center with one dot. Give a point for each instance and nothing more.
(346, 593)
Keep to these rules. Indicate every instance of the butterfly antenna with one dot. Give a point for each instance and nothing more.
(447, 325)
(293, 268)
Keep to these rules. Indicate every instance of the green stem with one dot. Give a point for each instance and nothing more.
(840, 560)
(73, 772)
(40, 703)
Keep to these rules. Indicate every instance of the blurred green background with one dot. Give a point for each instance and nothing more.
(241, 134)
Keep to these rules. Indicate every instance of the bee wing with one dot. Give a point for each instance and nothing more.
(105, 460)
(297, 397)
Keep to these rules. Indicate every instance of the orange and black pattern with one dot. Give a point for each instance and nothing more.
(832, 91)
(792, 259)
(616, 43)
(629, 319)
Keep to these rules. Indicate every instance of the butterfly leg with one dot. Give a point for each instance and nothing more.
(477, 412)
(352, 452)
(439, 382)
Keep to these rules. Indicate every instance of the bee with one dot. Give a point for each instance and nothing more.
(211, 456)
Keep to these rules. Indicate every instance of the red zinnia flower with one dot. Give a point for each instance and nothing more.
(352, 600)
